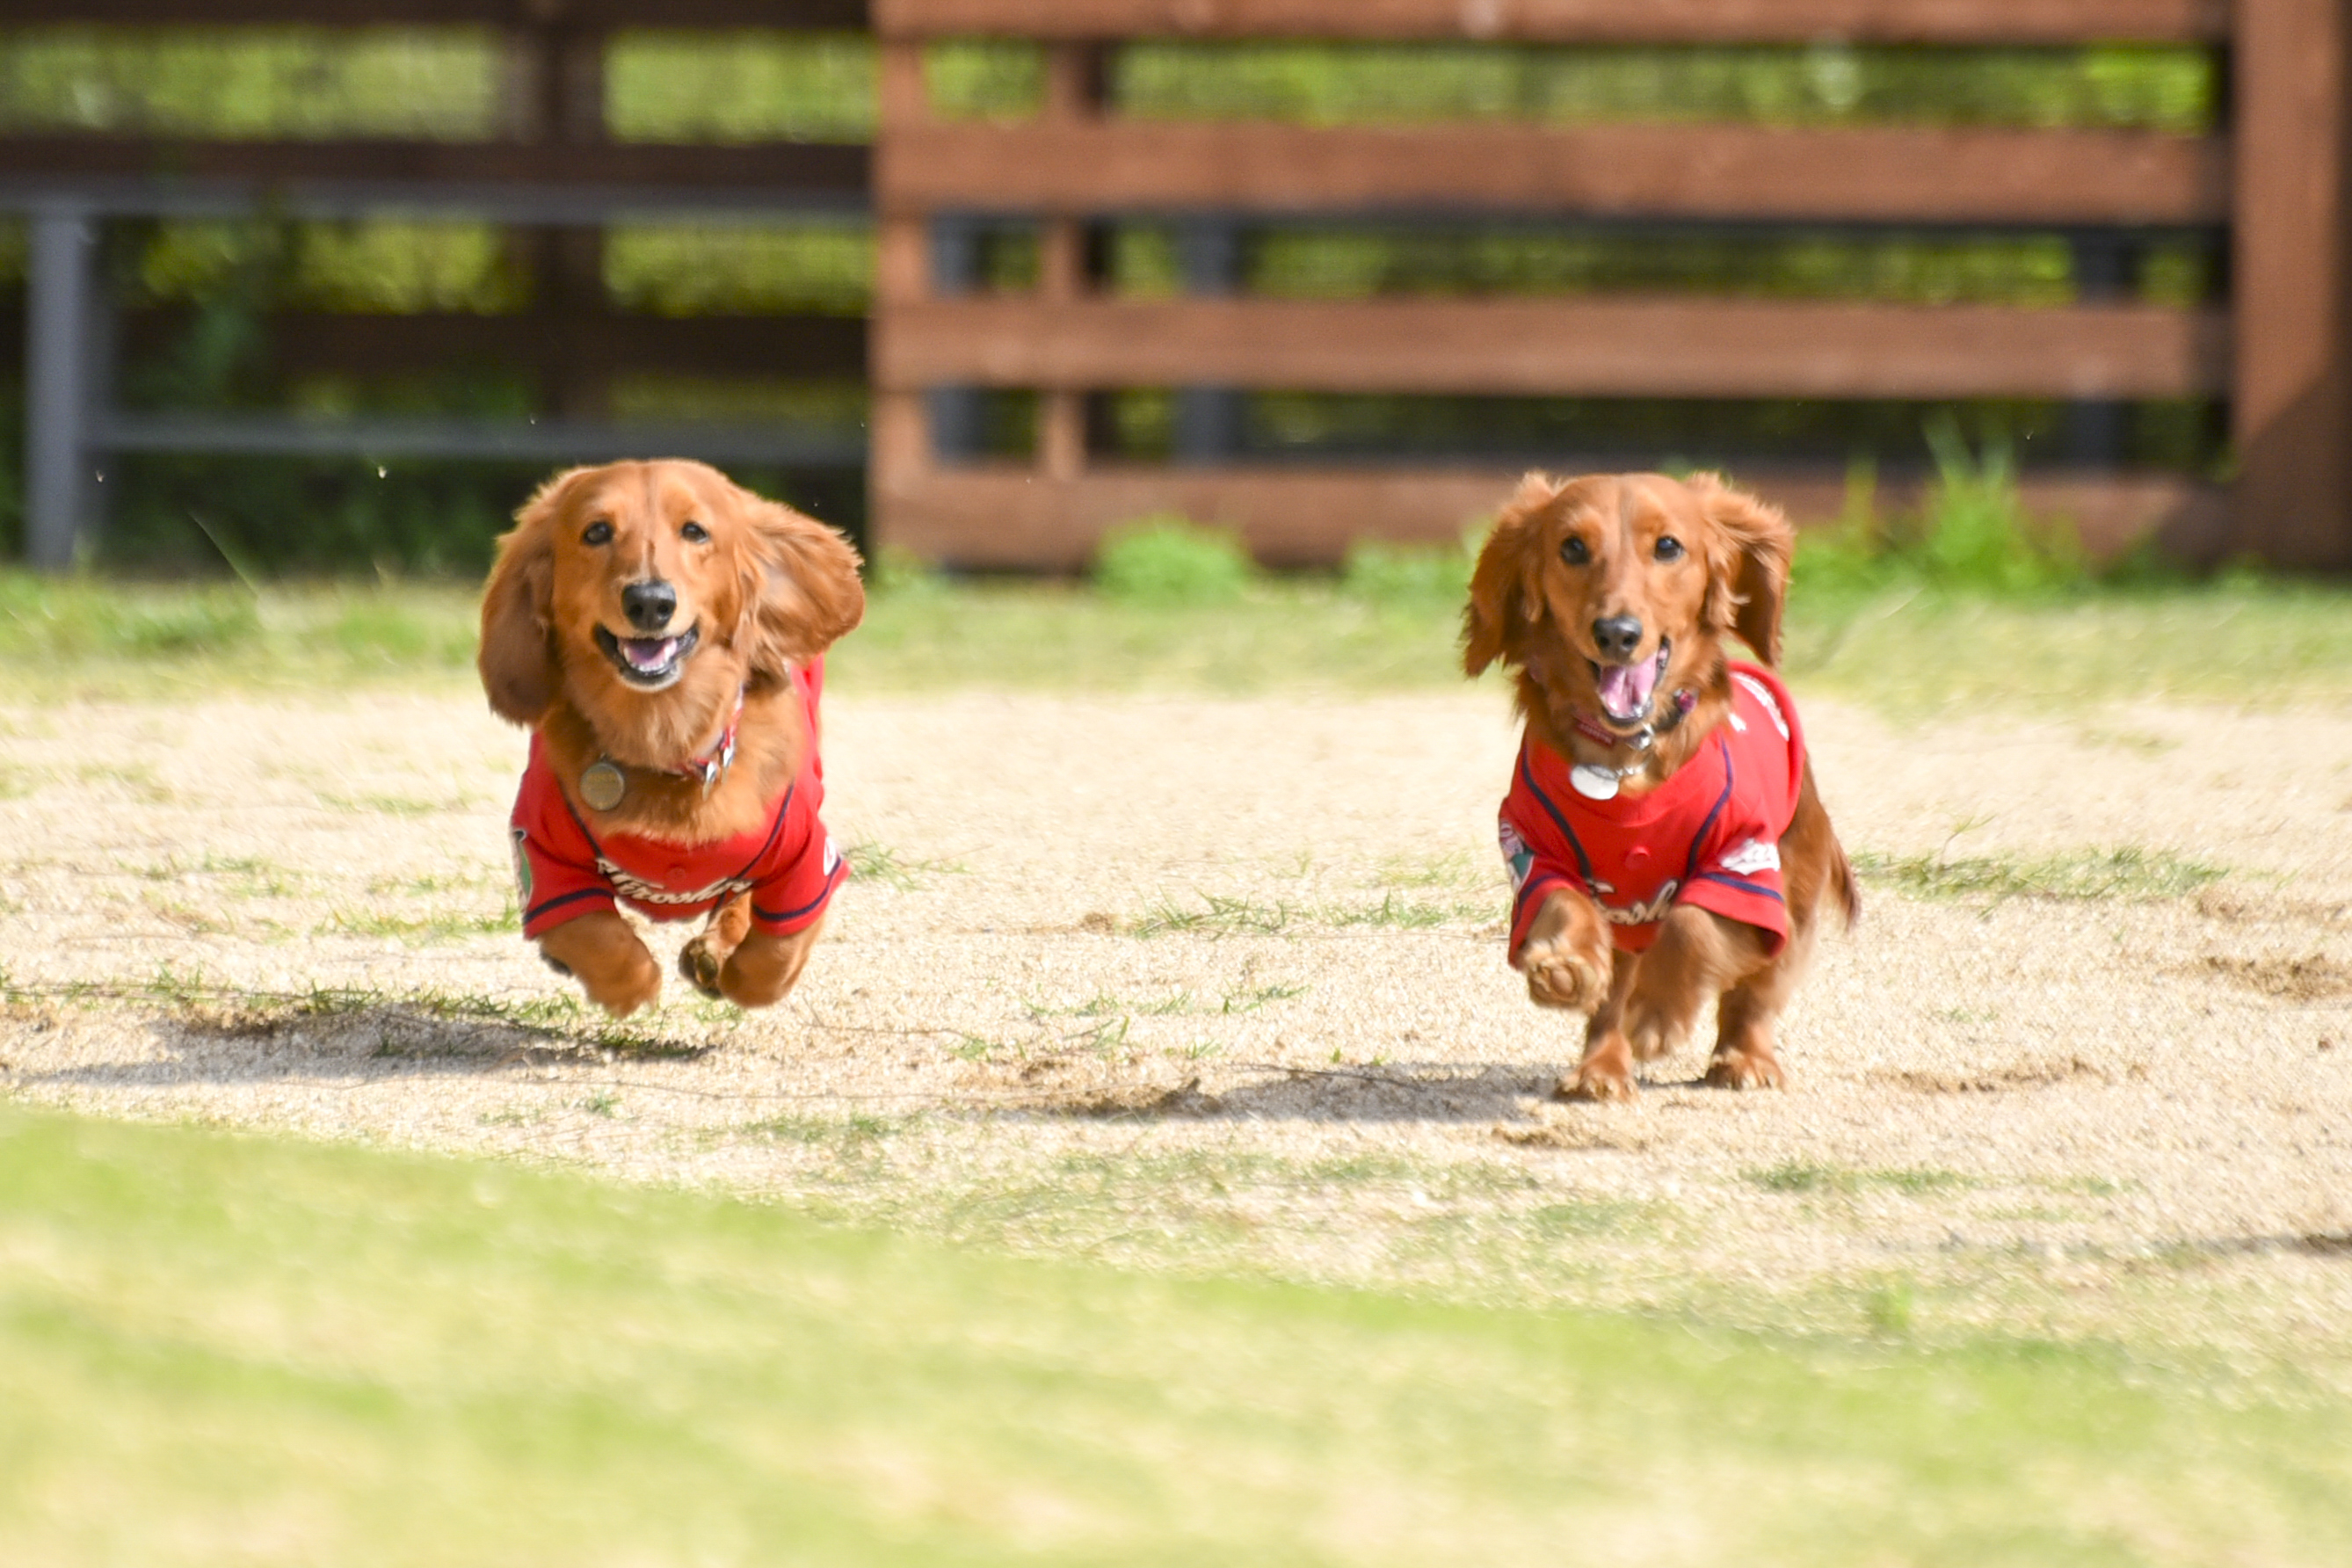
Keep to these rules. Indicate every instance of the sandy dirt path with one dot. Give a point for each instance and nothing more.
(1220, 983)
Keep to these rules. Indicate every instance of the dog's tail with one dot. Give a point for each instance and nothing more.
(1843, 887)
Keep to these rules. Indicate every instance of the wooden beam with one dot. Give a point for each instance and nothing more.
(1594, 346)
(1007, 516)
(1859, 175)
(830, 15)
(824, 169)
(1573, 21)
(2292, 405)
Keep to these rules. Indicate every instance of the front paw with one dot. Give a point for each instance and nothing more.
(1560, 977)
(1746, 1070)
(636, 984)
(700, 965)
(1605, 1076)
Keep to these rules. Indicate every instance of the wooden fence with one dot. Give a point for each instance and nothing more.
(2275, 176)
(550, 172)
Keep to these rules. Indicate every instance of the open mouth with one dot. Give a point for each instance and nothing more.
(650, 663)
(1626, 689)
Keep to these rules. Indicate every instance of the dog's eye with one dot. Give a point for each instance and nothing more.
(1668, 548)
(695, 533)
(1575, 552)
(597, 532)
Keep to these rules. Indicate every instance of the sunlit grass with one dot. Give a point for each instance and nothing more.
(209, 1343)
(1906, 648)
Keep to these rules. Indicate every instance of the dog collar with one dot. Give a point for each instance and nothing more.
(604, 784)
(1596, 782)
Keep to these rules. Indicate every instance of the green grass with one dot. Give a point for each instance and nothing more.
(1907, 646)
(216, 1348)
(2126, 873)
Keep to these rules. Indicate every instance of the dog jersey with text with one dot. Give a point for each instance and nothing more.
(788, 864)
(1709, 835)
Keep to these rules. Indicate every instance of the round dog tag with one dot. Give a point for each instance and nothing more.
(1592, 782)
(602, 786)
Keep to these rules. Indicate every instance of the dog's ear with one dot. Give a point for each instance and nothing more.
(799, 586)
(517, 658)
(1504, 596)
(1748, 571)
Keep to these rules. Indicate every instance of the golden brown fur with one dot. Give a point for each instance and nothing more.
(1694, 561)
(764, 589)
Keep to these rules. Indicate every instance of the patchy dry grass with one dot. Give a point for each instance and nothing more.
(2129, 872)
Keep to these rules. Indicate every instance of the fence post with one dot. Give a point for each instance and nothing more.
(1209, 418)
(61, 384)
(2291, 410)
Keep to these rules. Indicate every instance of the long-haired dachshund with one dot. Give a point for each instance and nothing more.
(662, 633)
(1663, 832)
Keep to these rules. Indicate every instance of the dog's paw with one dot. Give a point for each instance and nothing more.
(632, 985)
(1560, 977)
(700, 967)
(1746, 1070)
(1603, 1081)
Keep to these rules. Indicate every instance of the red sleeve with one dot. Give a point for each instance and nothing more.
(556, 878)
(1535, 872)
(797, 879)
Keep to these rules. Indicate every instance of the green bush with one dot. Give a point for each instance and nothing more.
(1405, 574)
(1167, 560)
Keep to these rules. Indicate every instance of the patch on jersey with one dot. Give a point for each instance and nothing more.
(1515, 853)
(832, 856)
(522, 869)
(1755, 855)
(1763, 695)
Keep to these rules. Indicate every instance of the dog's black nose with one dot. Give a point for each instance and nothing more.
(1617, 636)
(649, 606)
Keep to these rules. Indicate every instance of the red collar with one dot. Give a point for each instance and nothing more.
(711, 766)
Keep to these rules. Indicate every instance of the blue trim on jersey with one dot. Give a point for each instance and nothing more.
(1583, 862)
(561, 899)
(1754, 890)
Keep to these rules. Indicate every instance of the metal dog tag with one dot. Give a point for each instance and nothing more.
(602, 786)
(1592, 782)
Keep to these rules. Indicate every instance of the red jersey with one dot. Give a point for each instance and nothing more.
(788, 864)
(1710, 836)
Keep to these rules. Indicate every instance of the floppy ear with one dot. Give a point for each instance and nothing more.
(517, 658)
(1748, 571)
(1505, 598)
(799, 586)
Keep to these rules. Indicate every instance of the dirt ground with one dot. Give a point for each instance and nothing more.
(1211, 984)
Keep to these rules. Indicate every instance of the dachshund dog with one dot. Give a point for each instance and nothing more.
(1666, 841)
(662, 634)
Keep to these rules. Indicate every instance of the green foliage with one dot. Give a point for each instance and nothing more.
(433, 84)
(2167, 88)
(71, 619)
(1168, 560)
(1975, 533)
(1384, 574)
(740, 86)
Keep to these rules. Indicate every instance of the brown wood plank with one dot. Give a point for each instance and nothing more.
(821, 168)
(1007, 516)
(2292, 408)
(1570, 21)
(846, 14)
(602, 344)
(1640, 346)
(1879, 174)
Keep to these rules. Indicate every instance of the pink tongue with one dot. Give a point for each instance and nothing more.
(1625, 688)
(647, 653)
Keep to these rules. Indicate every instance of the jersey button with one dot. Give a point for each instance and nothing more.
(676, 875)
(1636, 855)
